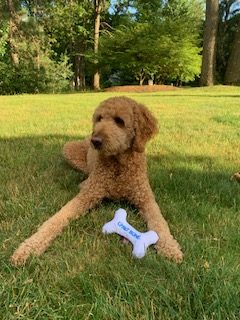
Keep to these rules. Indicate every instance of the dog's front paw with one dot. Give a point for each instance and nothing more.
(170, 248)
(22, 253)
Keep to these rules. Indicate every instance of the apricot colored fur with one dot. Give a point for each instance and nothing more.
(116, 170)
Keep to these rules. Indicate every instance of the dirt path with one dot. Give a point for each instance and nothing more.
(145, 88)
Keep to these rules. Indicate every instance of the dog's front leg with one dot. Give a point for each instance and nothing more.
(90, 195)
(166, 244)
(151, 213)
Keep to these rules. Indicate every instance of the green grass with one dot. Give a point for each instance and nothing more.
(85, 275)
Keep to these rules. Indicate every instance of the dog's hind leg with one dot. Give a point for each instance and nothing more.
(75, 152)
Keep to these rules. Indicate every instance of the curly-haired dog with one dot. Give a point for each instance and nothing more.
(113, 158)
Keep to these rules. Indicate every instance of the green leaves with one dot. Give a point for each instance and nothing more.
(161, 48)
(3, 42)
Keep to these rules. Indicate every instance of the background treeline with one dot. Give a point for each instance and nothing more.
(52, 46)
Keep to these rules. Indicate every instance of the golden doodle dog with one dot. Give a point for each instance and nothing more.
(113, 158)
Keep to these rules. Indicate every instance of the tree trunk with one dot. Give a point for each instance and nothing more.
(79, 72)
(232, 75)
(98, 8)
(141, 77)
(222, 37)
(13, 27)
(209, 43)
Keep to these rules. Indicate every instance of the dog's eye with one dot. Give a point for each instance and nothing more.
(99, 118)
(119, 121)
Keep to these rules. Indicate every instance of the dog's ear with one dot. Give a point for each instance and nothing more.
(145, 126)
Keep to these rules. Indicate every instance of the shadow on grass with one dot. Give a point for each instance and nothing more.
(194, 179)
(83, 266)
(36, 182)
(38, 159)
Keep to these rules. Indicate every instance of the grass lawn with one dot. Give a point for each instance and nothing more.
(86, 275)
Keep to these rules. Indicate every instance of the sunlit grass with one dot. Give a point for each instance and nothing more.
(85, 275)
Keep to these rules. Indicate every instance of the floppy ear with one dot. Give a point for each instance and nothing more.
(145, 126)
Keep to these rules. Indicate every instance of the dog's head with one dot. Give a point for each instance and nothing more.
(121, 124)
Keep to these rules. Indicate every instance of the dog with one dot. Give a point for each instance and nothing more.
(113, 159)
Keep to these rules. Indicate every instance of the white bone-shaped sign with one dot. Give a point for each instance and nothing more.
(140, 240)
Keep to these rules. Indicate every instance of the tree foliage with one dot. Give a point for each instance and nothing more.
(160, 48)
(26, 63)
(51, 46)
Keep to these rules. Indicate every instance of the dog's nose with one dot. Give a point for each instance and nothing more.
(97, 142)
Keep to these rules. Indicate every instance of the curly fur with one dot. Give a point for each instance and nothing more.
(116, 169)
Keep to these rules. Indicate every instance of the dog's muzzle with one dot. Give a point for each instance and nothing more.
(97, 142)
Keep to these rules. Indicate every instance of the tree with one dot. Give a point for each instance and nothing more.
(26, 63)
(209, 43)
(159, 48)
(228, 20)
(69, 25)
(232, 75)
(14, 21)
(98, 8)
